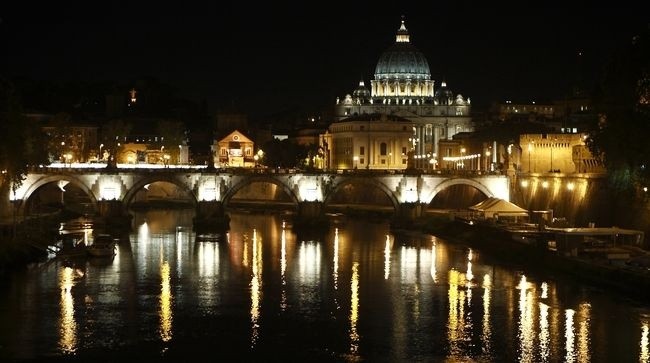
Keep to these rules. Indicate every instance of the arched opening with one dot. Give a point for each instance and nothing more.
(59, 196)
(360, 197)
(456, 196)
(161, 195)
(261, 195)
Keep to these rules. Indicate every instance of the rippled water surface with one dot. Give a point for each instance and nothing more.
(358, 293)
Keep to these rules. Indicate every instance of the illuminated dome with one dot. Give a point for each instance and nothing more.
(444, 96)
(402, 74)
(402, 60)
(361, 91)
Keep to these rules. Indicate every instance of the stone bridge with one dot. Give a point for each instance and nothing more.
(112, 190)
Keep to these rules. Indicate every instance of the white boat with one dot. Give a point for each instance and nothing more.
(102, 246)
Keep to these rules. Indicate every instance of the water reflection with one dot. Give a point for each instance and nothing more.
(354, 308)
(165, 302)
(644, 356)
(569, 335)
(434, 271)
(256, 288)
(422, 300)
(544, 337)
(583, 335)
(387, 249)
(526, 321)
(283, 268)
(67, 323)
(486, 337)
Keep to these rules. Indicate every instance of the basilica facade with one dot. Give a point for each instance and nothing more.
(402, 88)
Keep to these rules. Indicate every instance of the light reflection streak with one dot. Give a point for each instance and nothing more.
(68, 325)
(544, 336)
(487, 329)
(245, 252)
(387, 258)
(644, 355)
(165, 302)
(256, 288)
(456, 322)
(544, 290)
(583, 332)
(469, 275)
(569, 334)
(283, 269)
(526, 322)
(434, 272)
(335, 271)
(354, 308)
(209, 259)
(309, 261)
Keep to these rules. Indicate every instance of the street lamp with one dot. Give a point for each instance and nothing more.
(100, 157)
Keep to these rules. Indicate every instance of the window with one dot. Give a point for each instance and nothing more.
(361, 161)
(382, 148)
(403, 150)
(362, 150)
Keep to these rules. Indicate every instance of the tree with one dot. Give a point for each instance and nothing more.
(284, 154)
(173, 134)
(620, 137)
(23, 143)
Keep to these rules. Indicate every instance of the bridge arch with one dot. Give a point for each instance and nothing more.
(364, 181)
(244, 182)
(455, 181)
(47, 179)
(169, 178)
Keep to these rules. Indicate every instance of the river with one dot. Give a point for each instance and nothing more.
(358, 293)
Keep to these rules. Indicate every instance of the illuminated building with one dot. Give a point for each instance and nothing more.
(402, 86)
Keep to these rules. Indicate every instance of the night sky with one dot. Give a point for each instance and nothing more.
(272, 58)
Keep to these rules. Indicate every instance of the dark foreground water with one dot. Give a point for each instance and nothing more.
(261, 293)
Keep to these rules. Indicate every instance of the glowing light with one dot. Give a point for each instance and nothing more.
(644, 355)
(544, 184)
(110, 190)
(165, 303)
(569, 335)
(208, 259)
(524, 183)
(434, 271)
(67, 323)
(487, 329)
(256, 288)
(61, 184)
(570, 186)
(309, 262)
(544, 336)
(387, 258)
(335, 270)
(526, 323)
(354, 308)
(583, 333)
(544, 290)
(283, 268)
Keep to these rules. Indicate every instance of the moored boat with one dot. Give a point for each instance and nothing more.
(102, 246)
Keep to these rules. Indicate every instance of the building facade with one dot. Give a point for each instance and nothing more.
(402, 86)
(368, 141)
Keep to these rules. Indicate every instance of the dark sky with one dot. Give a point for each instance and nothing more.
(272, 57)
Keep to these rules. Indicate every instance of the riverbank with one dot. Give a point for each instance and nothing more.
(502, 245)
(26, 241)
